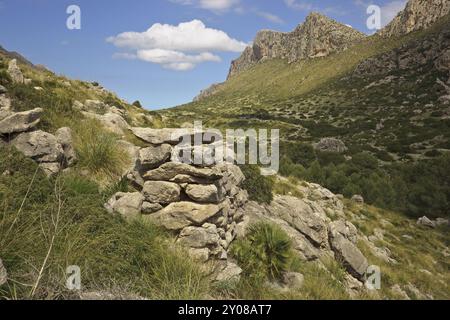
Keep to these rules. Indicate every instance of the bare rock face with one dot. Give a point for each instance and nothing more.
(412, 55)
(20, 121)
(318, 36)
(418, 15)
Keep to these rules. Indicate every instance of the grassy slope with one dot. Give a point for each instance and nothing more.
(312, 99)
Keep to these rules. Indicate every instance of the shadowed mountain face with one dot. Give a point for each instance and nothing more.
(318, 36)
(418, 14)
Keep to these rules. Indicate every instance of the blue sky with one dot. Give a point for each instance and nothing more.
(170, 63)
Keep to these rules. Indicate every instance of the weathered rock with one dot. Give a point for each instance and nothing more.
(203, 193)
(348, 254)
(293, 280)
(20, 121)
(111, 121)
(200, 255)
(14, 72)
(152, 157)
(200, 237)
(299, 214)
(417, 15)
(161, 192)
(442, 222)
(170, 170)
(3, 274)
(331, 145)
(149, 208)
(179, 215)
(5, 106)
(127, 204)
(318, 36)
(424, 221)
(50, 168)
(94, 106)
(231, 272)
(40, 146)
(64, 138)
(161, 136)
(358, 199)
(344, 228)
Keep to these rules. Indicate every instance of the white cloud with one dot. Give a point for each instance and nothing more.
(217, 6)
(270, 17)
(180, 47)
(390, 10)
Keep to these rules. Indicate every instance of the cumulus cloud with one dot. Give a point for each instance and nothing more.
(180, 47)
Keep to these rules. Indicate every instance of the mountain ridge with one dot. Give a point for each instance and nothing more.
(318, 36)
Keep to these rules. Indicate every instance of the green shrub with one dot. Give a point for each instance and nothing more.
(258, 186)
(98, 150)
(137, 104)
(265, 253)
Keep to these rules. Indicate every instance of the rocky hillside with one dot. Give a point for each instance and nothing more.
(89, 180)
(318, 36)
(418, 15)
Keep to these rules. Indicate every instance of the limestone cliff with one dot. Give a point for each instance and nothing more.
(418, 15)
(318, 36)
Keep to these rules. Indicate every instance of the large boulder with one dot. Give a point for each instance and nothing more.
(347, 253)
(179, 215)
(3, 274)
(14, 72)
(300, 215)
(20, 121)
(154, 156)
(161, 136)
(39, 146)
(424, 221)
(64, 138)
(203, 193)
(170, 170)
(111, 121)
(161, 192)
(331, 145)
(127, 204)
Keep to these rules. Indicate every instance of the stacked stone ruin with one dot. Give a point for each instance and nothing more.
(202, 205)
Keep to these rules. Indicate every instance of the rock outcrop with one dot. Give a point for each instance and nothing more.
(412, 55)
(417, 15)
(318, 36)
(331, 145)
(19, 129)
(316, 226)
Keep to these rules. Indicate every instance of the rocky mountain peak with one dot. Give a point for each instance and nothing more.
(417, 15)
(318, 36)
